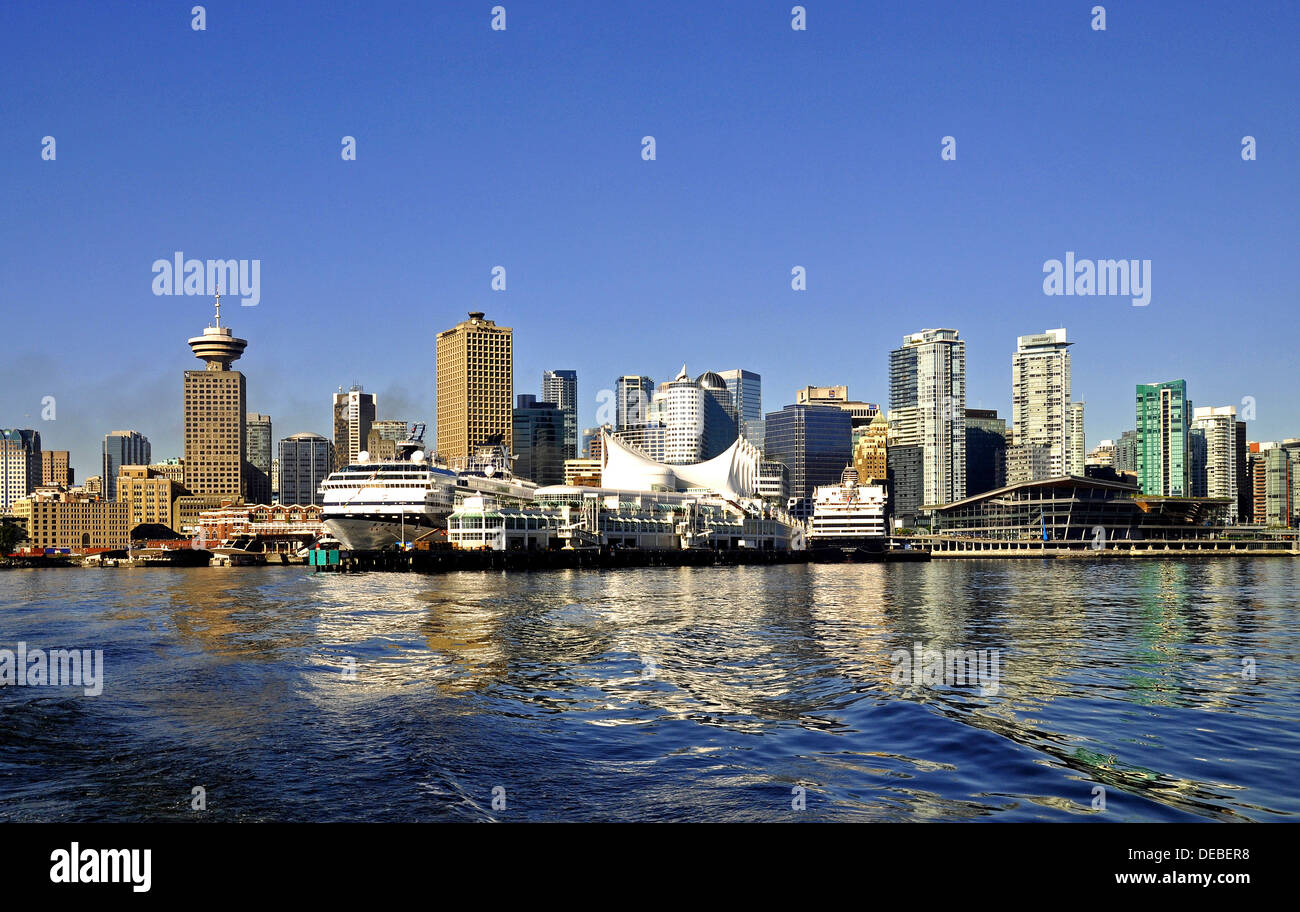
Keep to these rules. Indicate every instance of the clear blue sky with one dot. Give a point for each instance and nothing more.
(522, 148)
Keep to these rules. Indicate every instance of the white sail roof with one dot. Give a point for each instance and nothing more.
(732, 474)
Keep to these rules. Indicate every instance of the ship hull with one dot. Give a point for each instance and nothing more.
(379, 531)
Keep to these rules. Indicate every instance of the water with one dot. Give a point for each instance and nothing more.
(659, 694)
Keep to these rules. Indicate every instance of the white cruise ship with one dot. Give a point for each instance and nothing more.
(378, 504)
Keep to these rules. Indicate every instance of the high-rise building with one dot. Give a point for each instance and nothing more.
(1076, 448)
(1220, 475)
(475, 384)
(927, 408)
(305, 461)
(986, 451)
(863, 412)
(1245, 499)
(1041, 408)
(721, 422)
(774, 483)
(591, 441)
(1281, 489)
(258, 452)
(394, 429)
(1102, 456)
(123, 448)
(258, 442)
(20, 465)
(871, 450)
(1163, 418)
(1196, 458)
(385, 434)
(1125, 454)
(814, 442)
(1028, 462)
(561, 387)
(215, 410)
(681, 402)
(173, 468)
(354, 413)
(632, 395)
(746, 388)
(650, 439)
(538, 433)
(55, 469)
(906, 484)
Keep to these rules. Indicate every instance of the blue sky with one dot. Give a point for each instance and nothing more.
(522, 148)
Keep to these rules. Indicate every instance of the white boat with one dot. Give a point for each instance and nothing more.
(378, 504)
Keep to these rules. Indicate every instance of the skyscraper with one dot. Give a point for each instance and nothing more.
(354, 413)
(815, 442)
(986, 451)
(258, 450)
(20, 465)
(1219, 428)
(475, 383)
(632, 395)
(1041, 409)
(1163, 419)
(683, 409)
(721, 422)
(538, 431)
(561, 387)
(1076, 447)
(863, 412)
(1125, 457)
(1245, 492)
(55, 469)
(927, 408)
(305, 462)
(215, 410)
(746, 388)
(870, 450)
(123, 448)
(258, 442)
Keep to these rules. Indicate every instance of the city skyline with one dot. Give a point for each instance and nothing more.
(613, 264)
(1093, 436)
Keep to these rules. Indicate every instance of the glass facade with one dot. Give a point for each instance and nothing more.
(539, 429)
(1163, 419)
(815, 442)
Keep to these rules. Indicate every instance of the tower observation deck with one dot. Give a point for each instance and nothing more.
(218, 345)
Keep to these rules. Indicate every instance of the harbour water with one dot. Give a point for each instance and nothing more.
(730, 694)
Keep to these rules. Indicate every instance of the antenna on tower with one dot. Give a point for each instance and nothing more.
(218, 306)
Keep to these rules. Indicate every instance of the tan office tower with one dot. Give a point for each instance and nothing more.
(215, 410)
(55, 469)
(354, 413)
(475, 377)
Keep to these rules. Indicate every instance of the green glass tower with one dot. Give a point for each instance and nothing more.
(1163, 417)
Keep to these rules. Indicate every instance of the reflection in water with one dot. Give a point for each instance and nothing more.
(661, 693)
